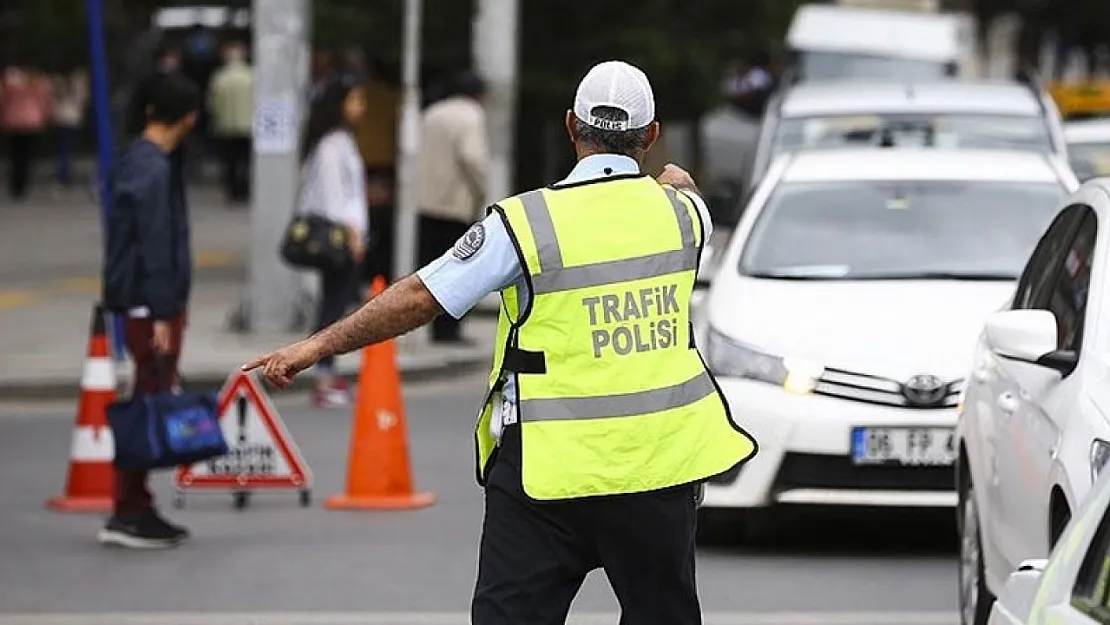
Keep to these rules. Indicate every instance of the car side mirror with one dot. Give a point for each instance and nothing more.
(1029, 336)
(1021, 587)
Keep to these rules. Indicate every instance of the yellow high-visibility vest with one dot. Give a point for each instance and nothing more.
(612, 394)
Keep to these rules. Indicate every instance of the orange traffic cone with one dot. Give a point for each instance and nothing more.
(379, 476)
(89, 483)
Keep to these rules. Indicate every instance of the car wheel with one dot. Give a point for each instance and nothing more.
(975, 598)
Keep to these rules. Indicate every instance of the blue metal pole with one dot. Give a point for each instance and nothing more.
(102, 111)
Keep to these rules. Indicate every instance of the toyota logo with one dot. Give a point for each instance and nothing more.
(924, 390)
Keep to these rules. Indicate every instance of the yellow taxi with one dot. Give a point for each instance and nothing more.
(1082, 100)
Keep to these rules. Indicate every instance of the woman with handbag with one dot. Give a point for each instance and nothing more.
(333, 191)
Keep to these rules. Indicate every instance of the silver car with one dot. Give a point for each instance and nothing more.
(982, 115)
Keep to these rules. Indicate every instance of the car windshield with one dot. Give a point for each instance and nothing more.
(934, 130)
(1090, 159)
(862, 230)
(846, 66)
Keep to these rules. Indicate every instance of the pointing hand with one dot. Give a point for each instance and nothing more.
(280, 367)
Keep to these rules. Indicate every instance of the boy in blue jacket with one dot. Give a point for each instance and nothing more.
(147, 275)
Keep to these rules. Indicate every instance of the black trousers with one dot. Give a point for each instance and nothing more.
(379, 258)
(534, 556)
(436, 237)
(21, 151)
(235, 152)
(335, 296)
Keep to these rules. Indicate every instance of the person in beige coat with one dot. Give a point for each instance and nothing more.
(231, 104)
(454, 164)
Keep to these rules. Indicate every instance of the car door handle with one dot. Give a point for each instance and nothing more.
(1008, 403)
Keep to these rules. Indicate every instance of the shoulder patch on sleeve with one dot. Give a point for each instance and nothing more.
(470, 242)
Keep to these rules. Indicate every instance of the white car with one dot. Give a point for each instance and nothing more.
(1069, 588)
(1033, 428)
(964, 114)
(843, 310)
(1089, 147)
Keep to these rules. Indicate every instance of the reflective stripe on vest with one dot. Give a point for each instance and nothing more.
(555, 277)
(624, 405)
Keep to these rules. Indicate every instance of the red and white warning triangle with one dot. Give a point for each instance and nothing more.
(263, 454)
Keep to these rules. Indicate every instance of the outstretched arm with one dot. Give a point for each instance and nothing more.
(484, 260)
(401, 308)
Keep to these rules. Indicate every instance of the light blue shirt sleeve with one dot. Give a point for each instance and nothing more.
(460, 284)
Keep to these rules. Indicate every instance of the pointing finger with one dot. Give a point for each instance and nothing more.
(254, 364)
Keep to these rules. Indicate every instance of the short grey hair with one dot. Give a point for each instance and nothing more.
(629, 143)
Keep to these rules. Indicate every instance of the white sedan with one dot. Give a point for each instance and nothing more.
(1034, 429)
(839, 322)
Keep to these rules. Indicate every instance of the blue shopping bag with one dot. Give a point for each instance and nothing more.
(166, 429)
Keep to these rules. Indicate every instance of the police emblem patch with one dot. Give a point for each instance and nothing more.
(469, 243)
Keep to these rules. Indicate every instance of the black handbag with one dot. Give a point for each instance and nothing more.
(316, 242)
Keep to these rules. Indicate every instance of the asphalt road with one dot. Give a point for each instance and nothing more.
(279, 563)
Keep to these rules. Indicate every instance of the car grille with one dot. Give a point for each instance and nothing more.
(876, 390)
(838, 472)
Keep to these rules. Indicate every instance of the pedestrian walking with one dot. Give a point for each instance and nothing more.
(454, 165)
(231, 106)
(25, 109)
(147, 276)
(71, 96)
(333, 186)
(601, 422)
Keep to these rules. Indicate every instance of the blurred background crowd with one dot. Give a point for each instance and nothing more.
(719, 53)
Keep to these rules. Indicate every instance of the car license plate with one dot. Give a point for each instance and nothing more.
(904, 446)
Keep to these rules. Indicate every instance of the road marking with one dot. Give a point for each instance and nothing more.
(17, 299)
(208, 259)
(462, 618)
(87, 284)
(212, 259)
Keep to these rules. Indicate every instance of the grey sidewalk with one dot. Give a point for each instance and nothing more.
(50, 251)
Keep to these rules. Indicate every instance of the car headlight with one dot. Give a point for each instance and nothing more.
(1100, 453)
(730, 358)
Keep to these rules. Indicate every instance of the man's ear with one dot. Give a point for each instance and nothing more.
(652, 135)
(569, 123)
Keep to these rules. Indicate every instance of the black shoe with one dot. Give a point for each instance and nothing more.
(176, 531)
(145, 530)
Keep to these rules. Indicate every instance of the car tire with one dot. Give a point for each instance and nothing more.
(974, 597)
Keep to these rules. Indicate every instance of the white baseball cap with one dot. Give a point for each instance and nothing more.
(618, 85)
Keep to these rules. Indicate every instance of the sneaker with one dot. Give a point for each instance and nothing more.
(176, 531)
(145, 530)
(335, 395)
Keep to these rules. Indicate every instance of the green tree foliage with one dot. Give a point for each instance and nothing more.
(681, 44)
(49, 34)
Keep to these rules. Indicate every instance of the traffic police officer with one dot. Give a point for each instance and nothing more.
(601, 421)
